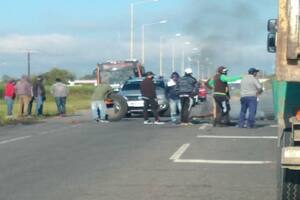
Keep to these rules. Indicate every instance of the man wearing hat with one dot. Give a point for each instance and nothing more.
(187, 87)
(219, 83)
(148, 92)
(39, 94)
(250, 89)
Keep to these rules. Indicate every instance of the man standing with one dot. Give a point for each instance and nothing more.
(250, 89)
(39, 95)
(173, 96)
(98, 105)
(187, 88)
(149, 95)
(221, 96)
(9, 96)
(60, 92)
(23, 92)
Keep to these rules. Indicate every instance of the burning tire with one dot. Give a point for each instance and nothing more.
(118, 109)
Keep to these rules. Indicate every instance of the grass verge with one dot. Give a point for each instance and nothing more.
(78, 99)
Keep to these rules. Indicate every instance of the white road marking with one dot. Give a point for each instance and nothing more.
(236, 137)
(232, 162)
(274, 126)
(41, 133)
(176, 159)
(180, 151)
(15, 139)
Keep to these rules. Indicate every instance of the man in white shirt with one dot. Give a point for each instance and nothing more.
(250, 89)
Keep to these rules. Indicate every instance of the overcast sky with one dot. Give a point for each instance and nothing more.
(76, 34)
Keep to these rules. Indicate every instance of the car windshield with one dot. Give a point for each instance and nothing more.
(135, 85)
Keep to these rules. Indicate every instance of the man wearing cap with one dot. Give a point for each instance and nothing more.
(149, 96)
(219, 83)
(187, 87)
(39, 94)
(250, 89)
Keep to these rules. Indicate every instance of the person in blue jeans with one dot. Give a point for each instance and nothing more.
(250, 89)
(39, 94)
(60, 92)
(173, 97)
(98, 105)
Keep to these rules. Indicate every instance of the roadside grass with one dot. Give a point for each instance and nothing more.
(78, 99)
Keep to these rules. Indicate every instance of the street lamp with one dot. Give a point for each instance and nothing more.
(198, 55)
(173, 52)
(143, 36)
(183, 56)
(132, 23)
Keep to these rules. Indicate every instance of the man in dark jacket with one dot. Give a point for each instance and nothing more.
(149, 95)
(187, 88)
(173, 96)
(39, 95)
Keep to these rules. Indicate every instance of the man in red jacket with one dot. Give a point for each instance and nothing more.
(9, 96)
(149, 95)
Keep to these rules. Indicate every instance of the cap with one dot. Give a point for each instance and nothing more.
(253, 70)
(188, 71)
(149, 73)
(222, 69)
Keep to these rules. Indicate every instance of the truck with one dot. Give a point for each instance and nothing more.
(116, 73)
(284, 40)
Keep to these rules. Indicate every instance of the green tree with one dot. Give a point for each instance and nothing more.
(54, 73)
(5, 78)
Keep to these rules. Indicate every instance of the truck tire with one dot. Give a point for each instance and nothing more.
(119, 108)
(288, 180)
(290, 184)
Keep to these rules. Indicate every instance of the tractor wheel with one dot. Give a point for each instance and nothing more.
(119, 108)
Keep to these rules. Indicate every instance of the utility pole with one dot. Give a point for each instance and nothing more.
(160, 57)
(131, 30)
(28, 55)
(98, 75)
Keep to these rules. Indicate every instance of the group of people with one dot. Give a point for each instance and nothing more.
(250, 89)
(27, 93)
(180, 92)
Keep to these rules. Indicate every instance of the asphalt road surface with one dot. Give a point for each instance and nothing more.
(74, 158)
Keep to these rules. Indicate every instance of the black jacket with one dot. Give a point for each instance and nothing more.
(171, 92)
(187, 85)
(38, 89)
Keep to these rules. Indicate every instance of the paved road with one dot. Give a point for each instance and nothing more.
(76, 159)
(264, 109)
